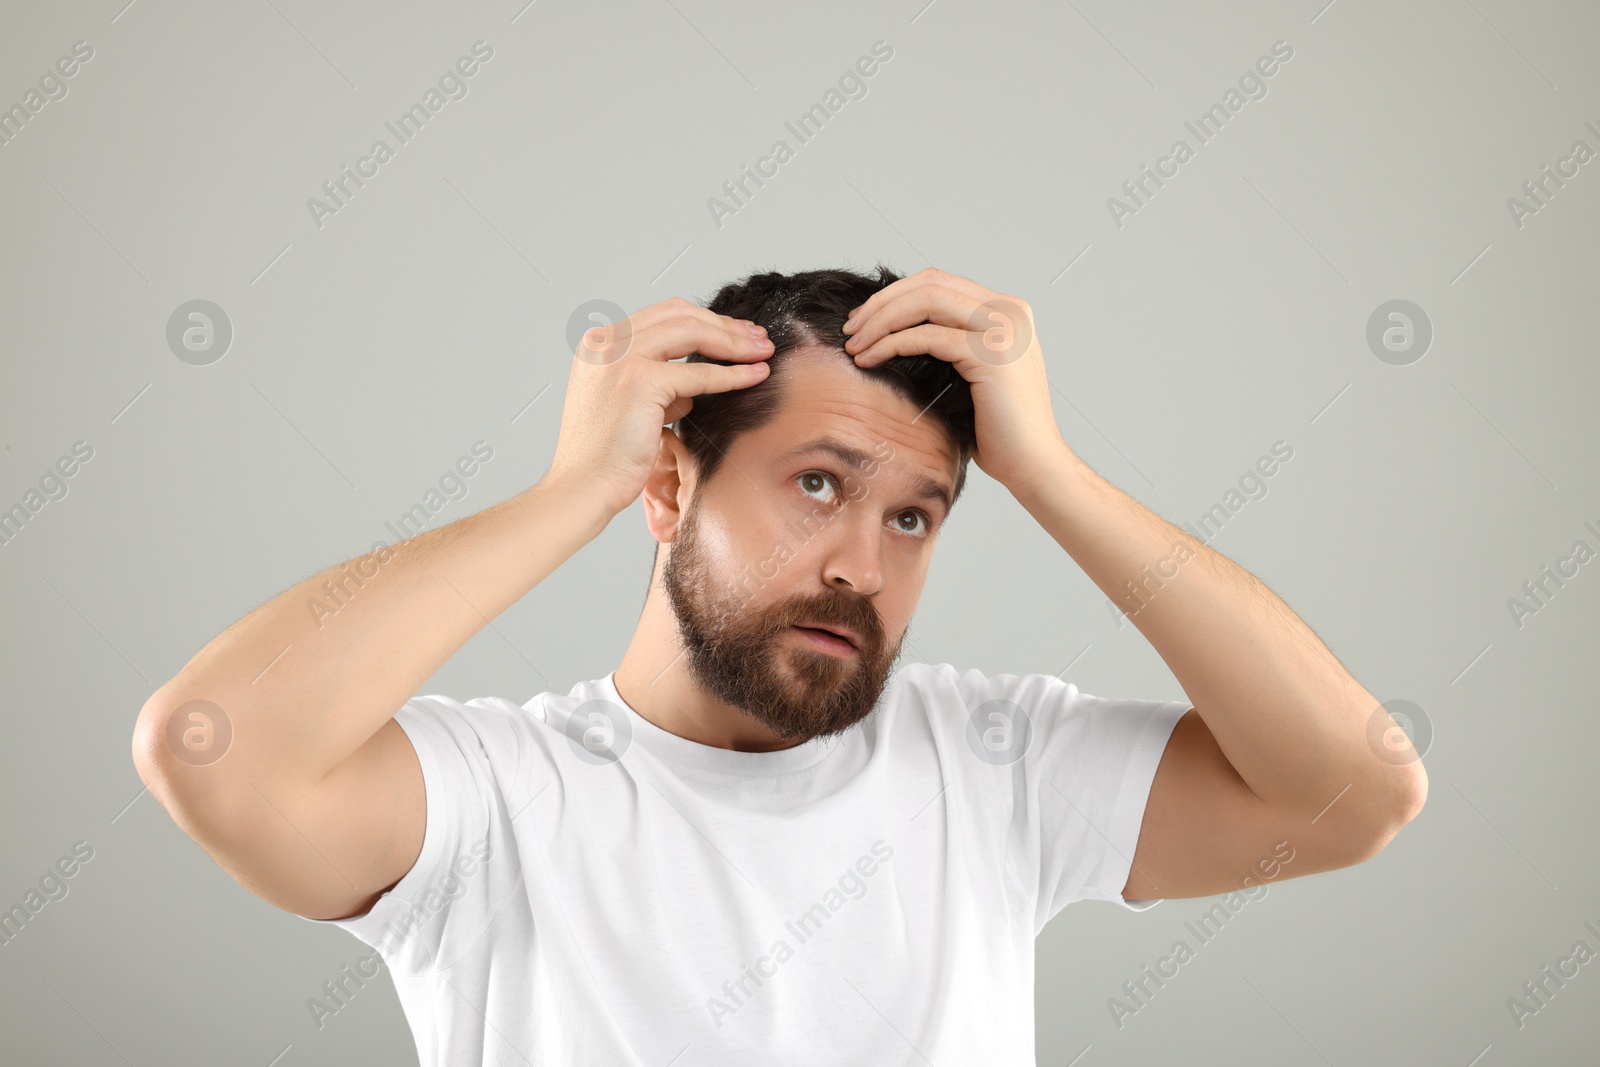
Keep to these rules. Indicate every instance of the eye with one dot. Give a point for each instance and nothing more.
(927, 523)
(816, 481)
(810, 478)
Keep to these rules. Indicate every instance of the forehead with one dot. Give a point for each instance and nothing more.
(823, 395)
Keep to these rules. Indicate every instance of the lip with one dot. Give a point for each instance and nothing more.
(838, 631)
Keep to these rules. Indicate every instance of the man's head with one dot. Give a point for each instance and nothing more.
(763, 541)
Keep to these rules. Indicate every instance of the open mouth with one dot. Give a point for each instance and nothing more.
(827, 640)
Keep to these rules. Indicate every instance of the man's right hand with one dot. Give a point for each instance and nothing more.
(623, 389)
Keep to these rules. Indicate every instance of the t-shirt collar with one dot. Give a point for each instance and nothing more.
(681, 750)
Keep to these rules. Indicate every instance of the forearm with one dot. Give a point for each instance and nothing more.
(304, 686)
(1290, 719)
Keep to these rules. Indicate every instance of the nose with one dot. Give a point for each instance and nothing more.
(853, 556)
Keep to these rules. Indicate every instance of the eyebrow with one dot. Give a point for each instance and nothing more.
(926, 488)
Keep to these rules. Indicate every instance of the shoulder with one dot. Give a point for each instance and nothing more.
(952, 698)
(925, 677)
(498, 715)
(1032, 713)
(948, 686)
(495, 732)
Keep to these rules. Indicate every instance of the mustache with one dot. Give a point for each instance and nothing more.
(852, 612)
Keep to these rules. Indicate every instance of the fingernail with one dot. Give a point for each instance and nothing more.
(755, 329)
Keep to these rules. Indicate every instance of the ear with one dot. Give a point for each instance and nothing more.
(666, 491)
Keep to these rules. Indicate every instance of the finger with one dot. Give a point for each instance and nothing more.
(674, 338)
(607, 344)
(676, 306)
(948, 343)
(677, 335)
(931, 302)
(926, 276)
(679, 383)
(676, 410)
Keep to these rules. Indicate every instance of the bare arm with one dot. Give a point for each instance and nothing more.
(313, 731)
(317, 803)
(1279, 745)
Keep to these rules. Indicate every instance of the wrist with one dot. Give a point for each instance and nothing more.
(1054, 470)
(574, 501)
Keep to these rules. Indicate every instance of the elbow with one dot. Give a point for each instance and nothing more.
(150, 751)
(1417, 793)
(199, 801)
(173, 749)
(1409, 796)
(146, 748)
(1409, 787)
(173, 740)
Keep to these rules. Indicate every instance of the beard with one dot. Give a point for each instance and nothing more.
(747, 658)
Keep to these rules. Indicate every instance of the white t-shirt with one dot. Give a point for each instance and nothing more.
(593, 889)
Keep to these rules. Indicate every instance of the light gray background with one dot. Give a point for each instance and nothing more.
(1228, 314)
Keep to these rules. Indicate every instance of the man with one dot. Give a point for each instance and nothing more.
(751, 842)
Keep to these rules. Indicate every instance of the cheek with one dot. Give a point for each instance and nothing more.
(754, 540)
(906, 583)
(717, 539)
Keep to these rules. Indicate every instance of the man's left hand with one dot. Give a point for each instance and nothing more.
(991, 339)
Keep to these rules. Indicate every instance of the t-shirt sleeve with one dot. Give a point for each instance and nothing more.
(444, 902)
(1080, 771)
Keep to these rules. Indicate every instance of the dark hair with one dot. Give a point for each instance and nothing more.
(809, 308)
